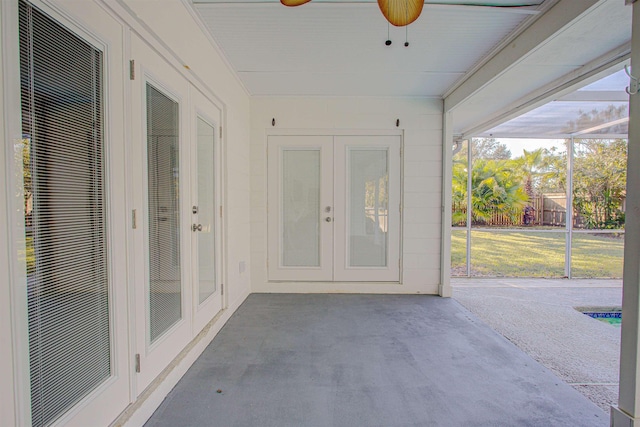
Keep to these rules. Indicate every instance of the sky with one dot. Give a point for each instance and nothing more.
(517, 145)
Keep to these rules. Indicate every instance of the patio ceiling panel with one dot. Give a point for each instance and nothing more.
(338, 48)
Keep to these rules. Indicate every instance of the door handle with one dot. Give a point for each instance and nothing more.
(196, 227)
(328, 219)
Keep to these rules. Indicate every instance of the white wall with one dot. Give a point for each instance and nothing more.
(421, 121)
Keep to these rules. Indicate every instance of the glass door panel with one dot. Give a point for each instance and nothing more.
(367, 207)
(206, 211)
(165, 294)
(300, 208)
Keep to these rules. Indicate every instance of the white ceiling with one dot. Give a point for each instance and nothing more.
(337, 48)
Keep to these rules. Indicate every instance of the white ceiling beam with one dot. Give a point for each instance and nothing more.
(601, 126)
(596, 96)
(561, 16)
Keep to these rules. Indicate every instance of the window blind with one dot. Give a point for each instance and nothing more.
(66, 234)
(163, 171)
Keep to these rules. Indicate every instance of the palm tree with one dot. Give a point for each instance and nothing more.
(495, 191)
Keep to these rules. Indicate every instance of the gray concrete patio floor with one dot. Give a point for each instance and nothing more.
(539, 316)
(367, 360)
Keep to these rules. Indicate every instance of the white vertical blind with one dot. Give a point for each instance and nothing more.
(163, 169)
(67, 265)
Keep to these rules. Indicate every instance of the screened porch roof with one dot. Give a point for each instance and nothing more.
(598, 110)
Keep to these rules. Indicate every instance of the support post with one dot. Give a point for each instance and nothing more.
(469, 201)
(627, 413)
(569, 210)
(445, 245)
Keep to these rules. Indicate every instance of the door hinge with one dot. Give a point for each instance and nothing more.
(220, 132)
(220, 211)
(134, 220)
(401, 151)
(138, 363)
(221, 288)
(398, 263)
(400, 208)
(132, 69)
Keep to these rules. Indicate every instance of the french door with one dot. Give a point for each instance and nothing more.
(206, 215)
(334, 208)
(162, 309)
(176, 202)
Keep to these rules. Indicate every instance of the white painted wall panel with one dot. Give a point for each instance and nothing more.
(421, 121)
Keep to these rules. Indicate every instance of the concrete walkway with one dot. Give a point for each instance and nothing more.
(539, 316)
(367, 360)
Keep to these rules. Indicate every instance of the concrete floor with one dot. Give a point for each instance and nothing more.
(367, 360)
(539, 316)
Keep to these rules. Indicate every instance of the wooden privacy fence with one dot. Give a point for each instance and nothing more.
(544, 209)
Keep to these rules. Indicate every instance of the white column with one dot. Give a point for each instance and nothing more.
(569, 211)
(445, 245)
(470, 159)
(627, 413)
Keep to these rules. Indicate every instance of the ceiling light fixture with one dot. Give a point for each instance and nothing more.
(294, 2)
(401, 12)
(398, 12)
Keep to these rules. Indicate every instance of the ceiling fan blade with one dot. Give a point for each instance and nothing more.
(294, 2)
(401, 12)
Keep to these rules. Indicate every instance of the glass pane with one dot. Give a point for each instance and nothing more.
(599, 183)
(368, 207)
(164, 214)
(517, 254)
(300, 208)
(65, 216)
(458, 252)
(206, 211)
(518, 183)
(597, 255)
(459, 187)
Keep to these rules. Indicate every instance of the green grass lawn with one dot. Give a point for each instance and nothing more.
(514, 254)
